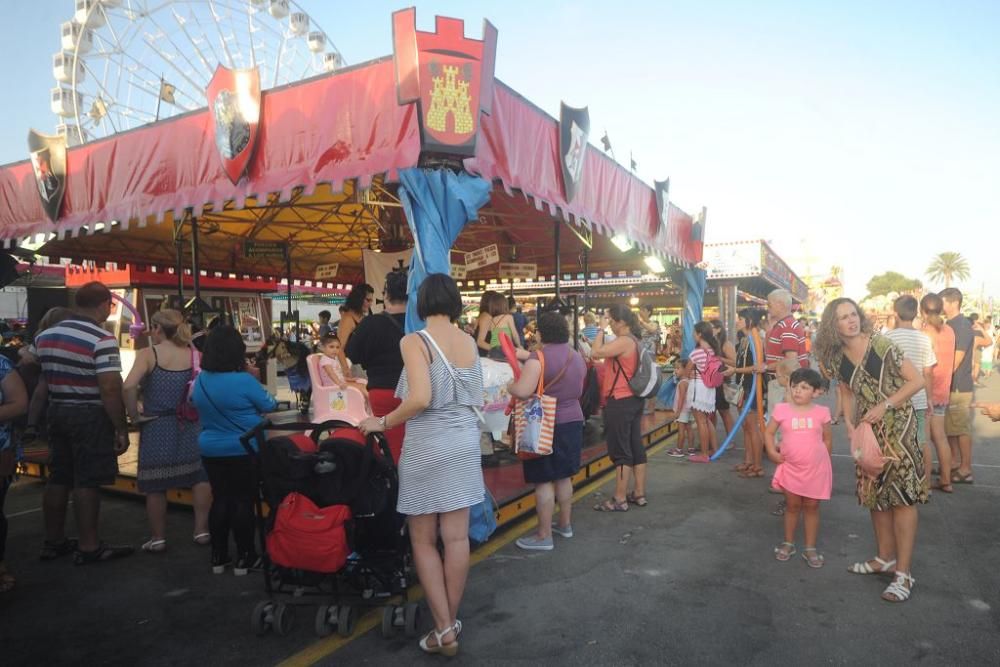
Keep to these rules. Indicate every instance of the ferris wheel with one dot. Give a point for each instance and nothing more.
(126, 63)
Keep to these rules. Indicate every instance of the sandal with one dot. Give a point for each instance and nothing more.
(155, 546)
(780, 509)
(612, 505)
(752, 473)
(53, 550)
(784, 552)
(866, 568)
(742, 467)
(898, 591)
(450, 649)
(102, 553)
(638, 501)
(959, 478)
(944, 488)
(815, 560)
(202, 539)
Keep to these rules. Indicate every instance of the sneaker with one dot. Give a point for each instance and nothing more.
(220, 563)
(532, 543)
(566, 532)
(676, 453)
(692, 450)
(247, 563)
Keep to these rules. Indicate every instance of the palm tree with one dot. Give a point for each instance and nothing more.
(948, 266)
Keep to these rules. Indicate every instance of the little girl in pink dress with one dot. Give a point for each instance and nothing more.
(804, 472)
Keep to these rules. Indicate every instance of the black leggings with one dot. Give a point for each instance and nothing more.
(234, 487)
(4, 485)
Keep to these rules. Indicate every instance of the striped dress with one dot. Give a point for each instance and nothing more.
(440, 469)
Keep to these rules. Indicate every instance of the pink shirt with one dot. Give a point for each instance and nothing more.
(334, 366)
(806, 470)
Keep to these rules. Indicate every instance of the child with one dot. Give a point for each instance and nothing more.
(682, 410)
(804, 473)
(331, 372)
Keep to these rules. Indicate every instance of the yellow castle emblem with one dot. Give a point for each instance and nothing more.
(450, 95)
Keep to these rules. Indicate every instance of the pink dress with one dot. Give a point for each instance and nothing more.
(806, 470)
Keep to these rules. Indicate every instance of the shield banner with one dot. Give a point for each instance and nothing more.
(662, 189)
(234, 101)
(48, 162)
(574, 130)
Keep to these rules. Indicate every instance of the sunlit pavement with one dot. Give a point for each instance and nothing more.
(691, 579)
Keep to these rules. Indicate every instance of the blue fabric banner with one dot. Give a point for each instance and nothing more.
(694, 301)
(438, 203)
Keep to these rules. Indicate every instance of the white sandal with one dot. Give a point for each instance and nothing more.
(155, 546)
(449, 650)
(865, 568)
(898, 590)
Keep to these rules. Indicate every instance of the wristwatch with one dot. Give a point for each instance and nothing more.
(381, 422)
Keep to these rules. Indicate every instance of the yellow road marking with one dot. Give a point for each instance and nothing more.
(325, 647)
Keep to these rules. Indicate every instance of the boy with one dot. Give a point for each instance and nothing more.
(330, 370)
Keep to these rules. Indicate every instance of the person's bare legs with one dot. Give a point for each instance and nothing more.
(564, 496)
(940, 441)
(455, 536)
(430, 569)
(545, 502)
(621, 483)
(202, 496)
(55, 498)
(86, 509)
(810, 521)
(965, 448)
(885, 537)
(156, 512)
(705, 432)
(639, 472)
(904, 531)
(956, 452)
(727, 420)
(793, 507)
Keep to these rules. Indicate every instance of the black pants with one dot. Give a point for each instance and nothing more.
(234, 487)
(623, 426)
(4, 485)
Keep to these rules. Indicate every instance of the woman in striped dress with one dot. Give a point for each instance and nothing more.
(440, 476)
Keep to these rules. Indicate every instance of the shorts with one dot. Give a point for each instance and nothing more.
(721, 404)
(921, 426)
(958, 420)
(775, 395)
(684, 417)
(623, 425)
(81, 446)
(939, 410)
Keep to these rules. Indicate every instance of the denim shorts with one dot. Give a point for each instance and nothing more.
(939, 410)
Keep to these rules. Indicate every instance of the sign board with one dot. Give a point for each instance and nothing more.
(458, 271)
(326, 271)
(738, 260)
(477, 259)
(518, 270)
(264, 249)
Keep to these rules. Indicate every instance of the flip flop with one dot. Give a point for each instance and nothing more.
(202, 539)
(959, 478)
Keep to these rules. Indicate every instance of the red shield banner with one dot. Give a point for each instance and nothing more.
(48, 162)
(234, 102)
(450, 75)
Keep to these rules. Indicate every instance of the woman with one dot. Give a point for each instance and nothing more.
(943, 341)
(440, 476)
(623, 410)
(873, 372)
(230, 402)
(703, 401)
(551, 475)
(376, 349)
(749, 322)
(728, 355)
(169, 457)
(355, 308)
(495, 319)
(13, 404)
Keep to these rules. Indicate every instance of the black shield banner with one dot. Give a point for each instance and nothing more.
(662, 189)
(574, 129)
(48, 161)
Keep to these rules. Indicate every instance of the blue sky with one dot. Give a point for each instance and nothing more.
(863, 134)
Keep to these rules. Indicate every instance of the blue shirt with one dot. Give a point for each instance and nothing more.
(229, 405)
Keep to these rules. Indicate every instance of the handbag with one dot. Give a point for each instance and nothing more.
(186, 409)
(483, 519)
(733, 392)
(535, 418)
(307, 537)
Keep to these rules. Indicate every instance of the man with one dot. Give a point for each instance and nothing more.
(785, 340)
(916, 347)
(520, 319)
(958, 421)
(81, 375)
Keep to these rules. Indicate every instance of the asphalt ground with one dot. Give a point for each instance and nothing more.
(691, 579)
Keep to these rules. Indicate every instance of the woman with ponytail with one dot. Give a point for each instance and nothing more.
(943, 340)
(169, 456)
(703, 403)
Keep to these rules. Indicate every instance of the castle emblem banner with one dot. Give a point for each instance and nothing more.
(48, 163)
(448, 75)
(574, 130)
(234, 102)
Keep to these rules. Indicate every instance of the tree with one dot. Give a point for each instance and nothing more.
(947, 266)
(890, 281)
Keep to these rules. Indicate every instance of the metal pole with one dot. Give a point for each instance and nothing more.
(288, 277)
(179, 247)
(196, 272)
(586, 278)
(558, 263)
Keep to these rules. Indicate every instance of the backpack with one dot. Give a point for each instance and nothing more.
(712, 377)
(646, 379)
(590, 400)
(307, 537)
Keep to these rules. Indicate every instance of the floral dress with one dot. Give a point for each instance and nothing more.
(877, 377)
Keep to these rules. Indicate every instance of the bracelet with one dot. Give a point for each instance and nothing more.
(381, 421)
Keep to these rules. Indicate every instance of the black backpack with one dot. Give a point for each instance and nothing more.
(590, 399)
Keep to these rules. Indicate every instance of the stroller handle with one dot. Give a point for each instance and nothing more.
(256, 433)
(376, 441)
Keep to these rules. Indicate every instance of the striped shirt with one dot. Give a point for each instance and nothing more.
(917, 347)
(72, 355)
(787, 336)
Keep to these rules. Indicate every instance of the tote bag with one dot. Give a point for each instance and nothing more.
(535, 418)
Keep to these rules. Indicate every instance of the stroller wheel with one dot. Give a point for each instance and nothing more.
(261, 618)
(284, 619)
(346, 619)
(323, 626)
(388, 621)
(411, 619)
